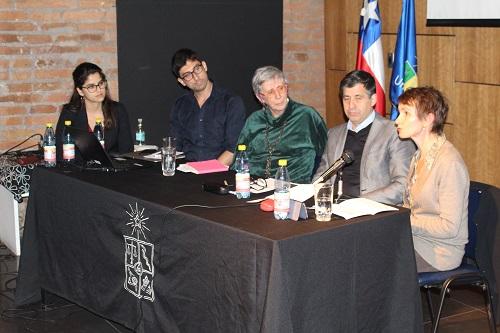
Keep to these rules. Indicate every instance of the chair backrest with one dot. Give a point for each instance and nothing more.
(487, 219)
(475, 193)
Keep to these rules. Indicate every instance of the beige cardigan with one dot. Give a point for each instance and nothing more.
(439, 202)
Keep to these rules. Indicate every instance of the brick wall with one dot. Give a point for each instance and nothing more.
(304, 51)
(41, 41)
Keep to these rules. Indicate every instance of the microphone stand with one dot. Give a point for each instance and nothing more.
(340, 183)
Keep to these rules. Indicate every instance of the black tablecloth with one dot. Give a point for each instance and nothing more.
(114, 244)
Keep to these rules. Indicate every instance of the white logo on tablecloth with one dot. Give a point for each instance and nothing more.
(139, 268)
(15, 177)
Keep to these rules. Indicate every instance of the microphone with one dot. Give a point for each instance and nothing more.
(346, 158)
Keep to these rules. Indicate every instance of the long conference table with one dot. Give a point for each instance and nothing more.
(129, 247)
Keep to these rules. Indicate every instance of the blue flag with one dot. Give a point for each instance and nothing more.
(404, 70)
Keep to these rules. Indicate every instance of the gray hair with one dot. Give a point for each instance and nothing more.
(264, 74)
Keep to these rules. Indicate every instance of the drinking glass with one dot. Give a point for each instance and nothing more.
(323, 199)
(168, 152)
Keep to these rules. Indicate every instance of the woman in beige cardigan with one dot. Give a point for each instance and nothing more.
(437, 187)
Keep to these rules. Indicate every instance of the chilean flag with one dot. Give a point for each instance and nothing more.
(369, 55)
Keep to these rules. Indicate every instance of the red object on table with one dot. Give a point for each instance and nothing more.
(267, 205)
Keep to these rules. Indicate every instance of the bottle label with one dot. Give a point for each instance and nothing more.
(140, 136)
(69, 151)
(49, 154)
(282, 202)
(242, 182)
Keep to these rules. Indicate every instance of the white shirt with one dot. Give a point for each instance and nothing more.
(363, 124)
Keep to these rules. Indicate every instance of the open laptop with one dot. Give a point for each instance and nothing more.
(94, 155)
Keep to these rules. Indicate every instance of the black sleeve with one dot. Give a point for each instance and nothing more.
(236, 116)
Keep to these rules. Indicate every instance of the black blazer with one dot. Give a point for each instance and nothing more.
(117, 139)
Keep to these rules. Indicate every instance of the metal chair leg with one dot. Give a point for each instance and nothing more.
(489, 307)
(442, 296)
(429, 304)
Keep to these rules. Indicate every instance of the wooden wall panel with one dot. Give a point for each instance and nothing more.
(435, 65)
(351, 49)
(478, 58)
(353, 9)
(335, 35)
(477, 122)
(335, 113)
(390, 12)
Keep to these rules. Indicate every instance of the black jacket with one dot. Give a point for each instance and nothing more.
(118, 139)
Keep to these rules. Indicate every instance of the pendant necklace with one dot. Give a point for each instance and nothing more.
(270, 147)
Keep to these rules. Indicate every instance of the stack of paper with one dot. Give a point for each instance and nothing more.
(359, 207)
(202, 167)
(138, 148)
(157, 156)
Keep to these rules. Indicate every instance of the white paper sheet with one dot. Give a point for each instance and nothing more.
(256, 188)
(300, 192)
(359, 207)
(157, 155)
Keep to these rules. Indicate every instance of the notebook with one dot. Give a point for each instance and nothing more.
(94, 154)
(202, 167)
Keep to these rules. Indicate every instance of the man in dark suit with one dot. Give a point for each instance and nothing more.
(381, 159)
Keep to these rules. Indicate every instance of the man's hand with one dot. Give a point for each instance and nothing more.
(226, 158)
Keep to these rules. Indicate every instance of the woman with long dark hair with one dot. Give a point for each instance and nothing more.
(91, 101)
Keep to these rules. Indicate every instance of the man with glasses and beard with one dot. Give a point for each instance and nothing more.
(207, 120)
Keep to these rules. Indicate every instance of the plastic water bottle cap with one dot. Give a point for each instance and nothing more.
(67, 122)
(49, 124)
(282, 163)
(242, 147)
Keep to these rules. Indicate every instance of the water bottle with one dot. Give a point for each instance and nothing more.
(99, 132)
(281, 191)
(49, 146)
(140, 135)
(68, 143)
(242, 173)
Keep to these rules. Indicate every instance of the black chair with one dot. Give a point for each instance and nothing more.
(469, 272)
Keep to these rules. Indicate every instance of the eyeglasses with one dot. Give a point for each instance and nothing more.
(258, 184)
(92, 88)
(281, 89)
(188, 76)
